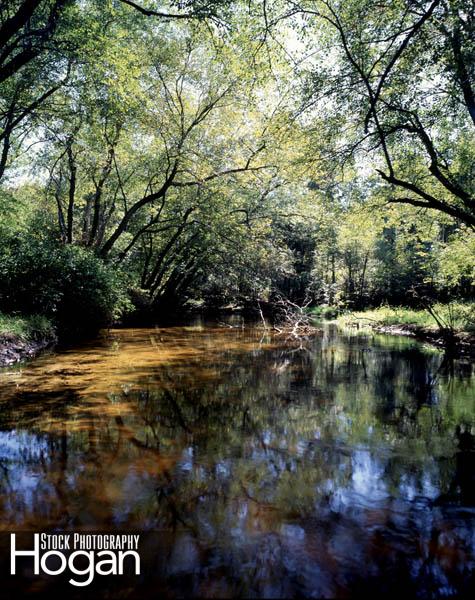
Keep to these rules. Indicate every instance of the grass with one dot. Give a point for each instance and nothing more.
(25, 328)
(458, 316)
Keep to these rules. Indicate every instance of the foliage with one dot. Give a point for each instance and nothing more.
(459, 316)
(325, 312)
(26, 327)
(456, 259)
(399, 89)
(227, 151)
(66, 284)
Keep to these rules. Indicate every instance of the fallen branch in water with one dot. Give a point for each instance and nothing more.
(262, 315)
(293, 320)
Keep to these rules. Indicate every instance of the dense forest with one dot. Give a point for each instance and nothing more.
(163, 156)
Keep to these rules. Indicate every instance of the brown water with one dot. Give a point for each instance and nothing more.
(340, 467)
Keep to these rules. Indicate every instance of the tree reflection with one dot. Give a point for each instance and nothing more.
(271, 470)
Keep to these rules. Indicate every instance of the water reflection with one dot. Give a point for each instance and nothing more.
(345, 466)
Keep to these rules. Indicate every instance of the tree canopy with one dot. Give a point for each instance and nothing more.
(230, 151)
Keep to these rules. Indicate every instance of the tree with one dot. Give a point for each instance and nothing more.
(207, 159)
(182, 9)
(33, 65)
(160, 159)
(26, 28)
(41, 39)
(400, 83)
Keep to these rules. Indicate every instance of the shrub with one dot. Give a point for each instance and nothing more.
(67, 284)
(325, 312)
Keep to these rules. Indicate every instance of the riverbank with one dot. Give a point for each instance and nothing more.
(456, 323)
(24, 337)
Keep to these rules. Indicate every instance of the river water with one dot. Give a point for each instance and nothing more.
(260, 467)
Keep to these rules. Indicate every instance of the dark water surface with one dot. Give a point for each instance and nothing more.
(339, 468)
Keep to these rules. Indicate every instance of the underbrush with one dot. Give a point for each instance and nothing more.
(69, 285)
(456, 315)
(32, 327)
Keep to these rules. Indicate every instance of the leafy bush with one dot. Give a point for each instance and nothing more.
(67, 284)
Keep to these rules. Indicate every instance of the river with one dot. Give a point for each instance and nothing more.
(259, 466)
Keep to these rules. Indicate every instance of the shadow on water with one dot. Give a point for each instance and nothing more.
(341, 467)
